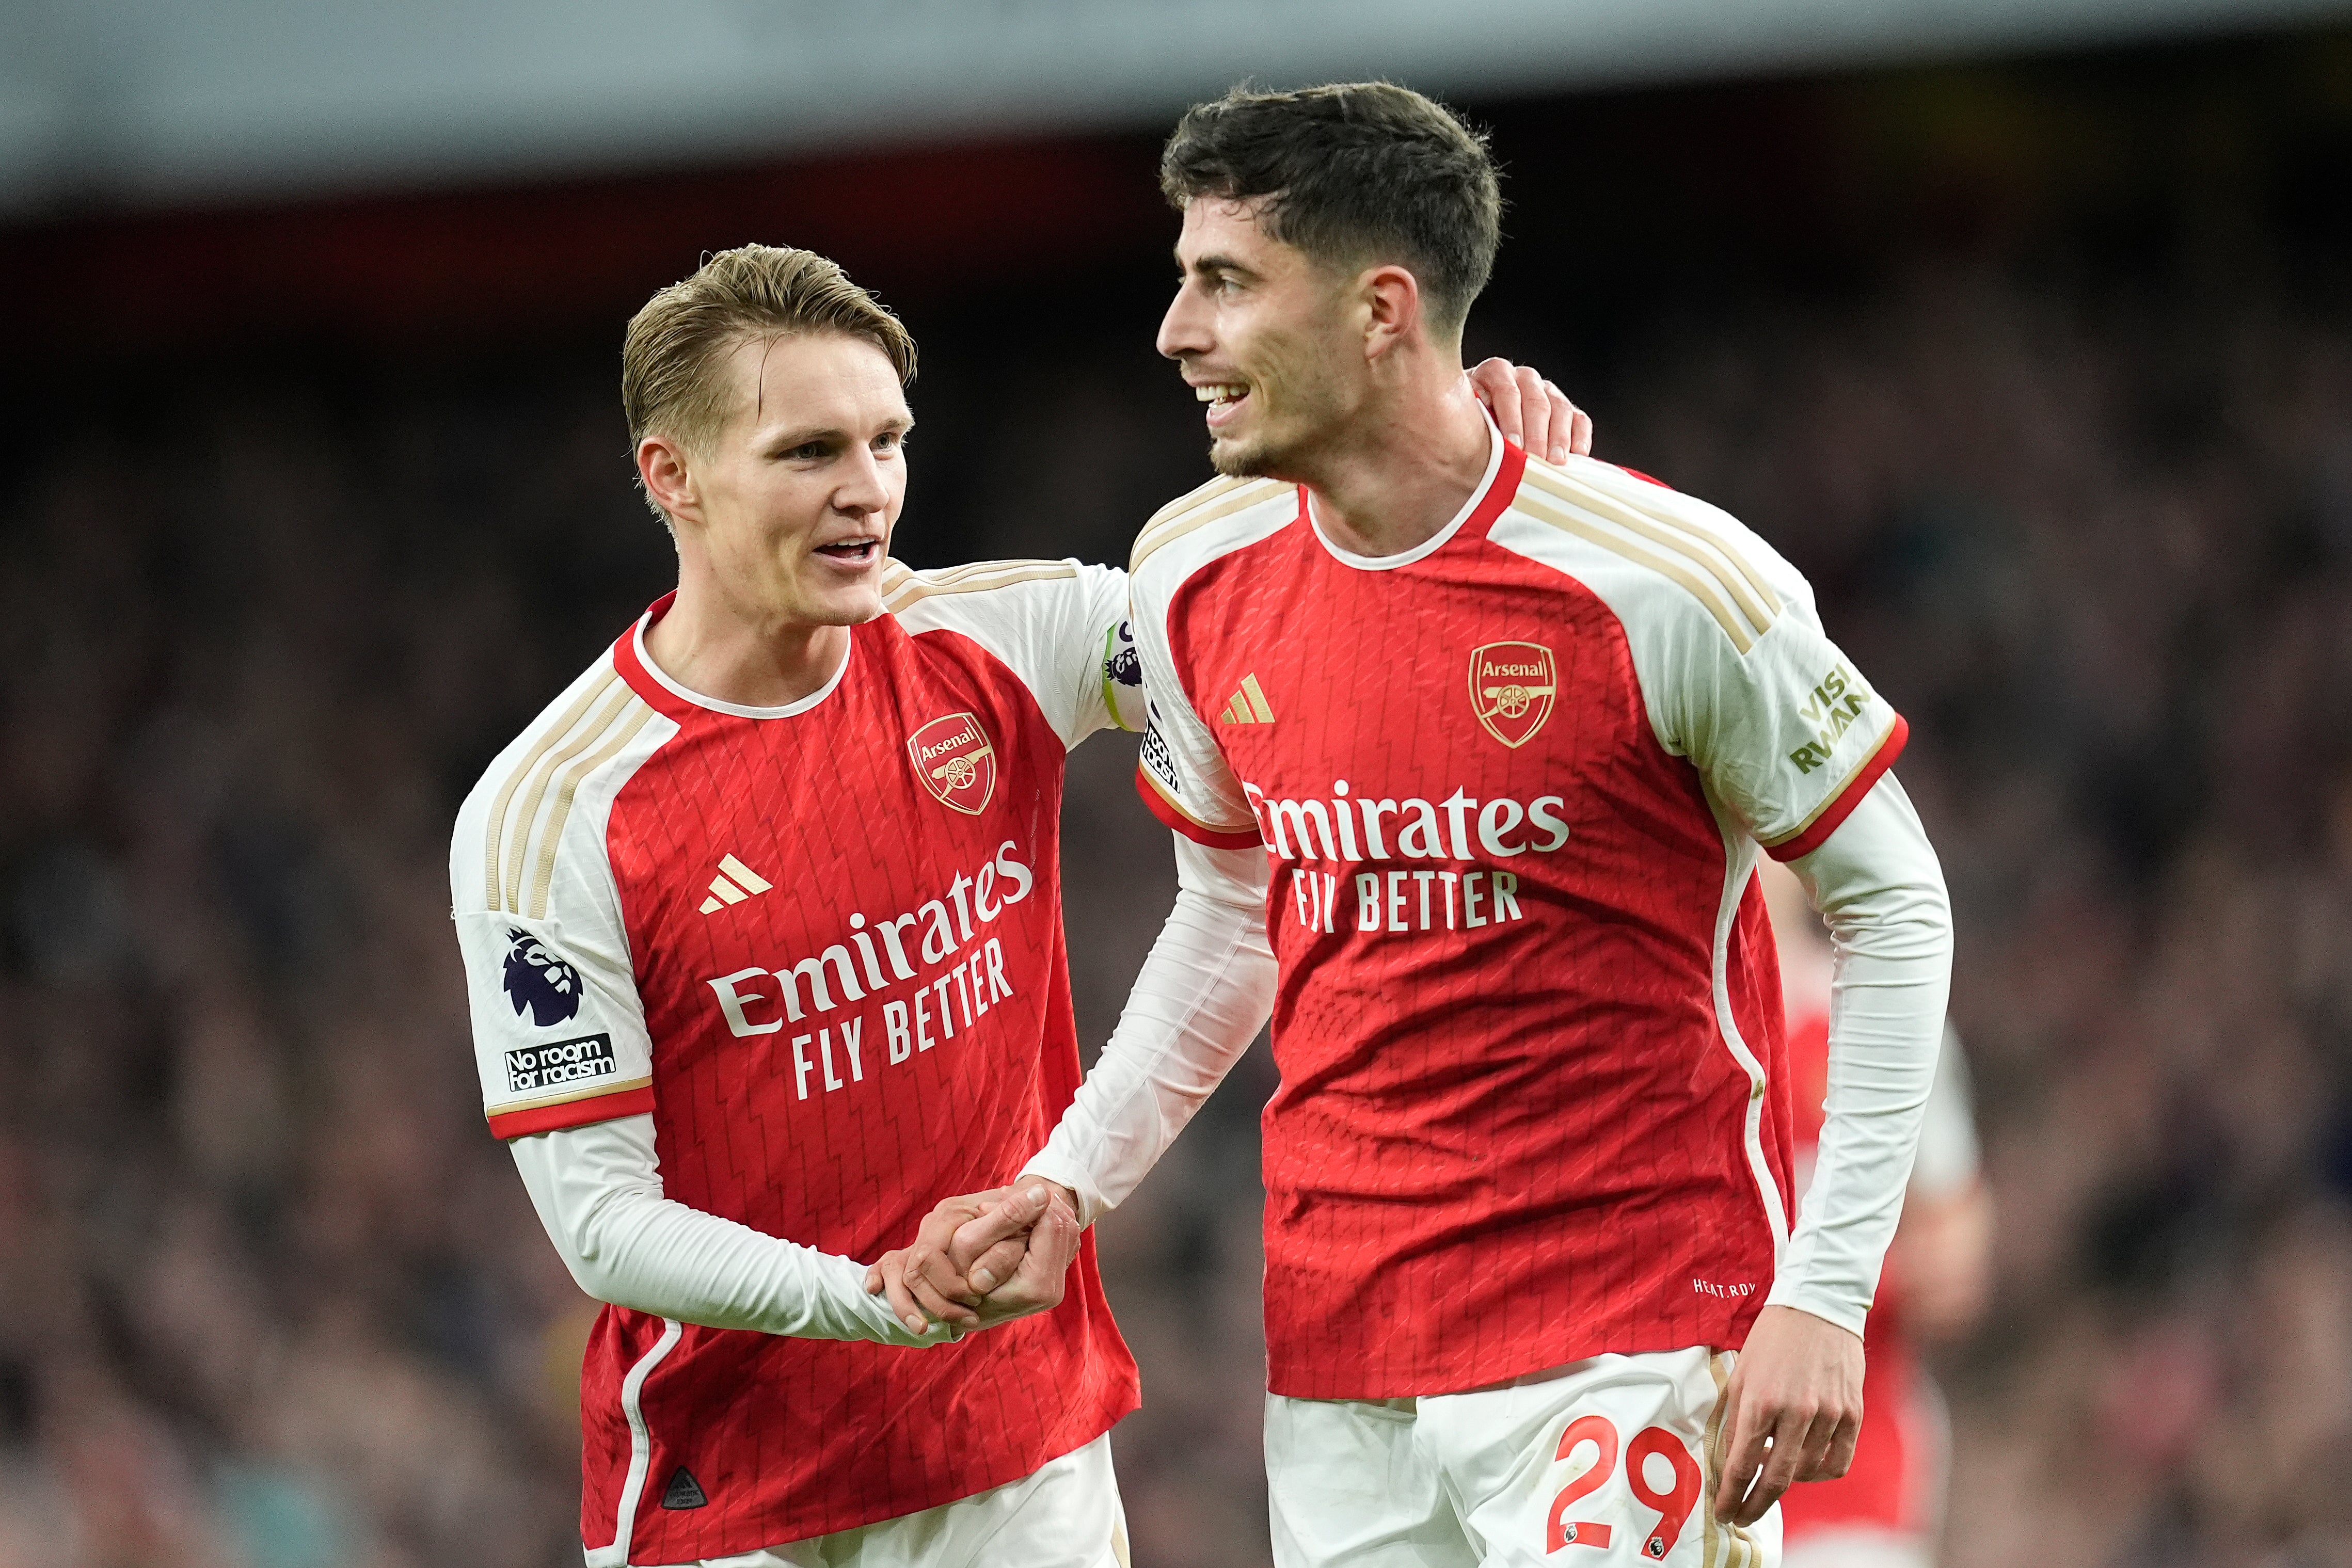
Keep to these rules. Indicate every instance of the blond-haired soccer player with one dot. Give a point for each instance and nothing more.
(761, 921)
(1469, 755)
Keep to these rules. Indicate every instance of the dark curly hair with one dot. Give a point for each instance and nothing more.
(1358, 172)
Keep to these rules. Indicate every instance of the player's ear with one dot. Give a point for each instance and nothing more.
(662, 464)
(1391, 303)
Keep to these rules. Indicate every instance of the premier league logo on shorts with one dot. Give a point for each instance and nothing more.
(956, 762)
(1511, 689)
(538, 982)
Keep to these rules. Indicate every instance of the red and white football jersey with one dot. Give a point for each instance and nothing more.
(1528, 1017)
(822, 945)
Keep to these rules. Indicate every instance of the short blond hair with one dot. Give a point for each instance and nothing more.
(750, 294)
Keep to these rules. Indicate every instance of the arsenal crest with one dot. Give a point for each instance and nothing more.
(956, 762)
(1511, 689)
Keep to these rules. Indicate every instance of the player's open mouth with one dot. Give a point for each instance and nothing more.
(1222, 398)
(853, 552)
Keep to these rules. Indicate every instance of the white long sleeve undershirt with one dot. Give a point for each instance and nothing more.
(598, 1192)
(1203, 995)
(1209, 985)
(1880, 889)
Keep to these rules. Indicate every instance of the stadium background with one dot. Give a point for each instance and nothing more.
(2032, 349)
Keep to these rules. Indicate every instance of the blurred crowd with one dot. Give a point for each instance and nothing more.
(271, 1297)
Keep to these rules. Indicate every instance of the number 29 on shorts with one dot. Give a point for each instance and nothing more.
(1673, 1507)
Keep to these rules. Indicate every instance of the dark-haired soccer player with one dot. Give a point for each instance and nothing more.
(1487, 746)
(762, 924)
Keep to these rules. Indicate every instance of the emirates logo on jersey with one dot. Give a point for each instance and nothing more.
(956, 761)
(1512, 686)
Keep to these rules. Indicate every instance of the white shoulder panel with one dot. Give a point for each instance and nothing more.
(1181, 761)
(1736, 672)
(1059, 626)
(547, 967)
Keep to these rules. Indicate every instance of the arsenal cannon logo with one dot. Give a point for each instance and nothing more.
(1511, 689)
(956, 762)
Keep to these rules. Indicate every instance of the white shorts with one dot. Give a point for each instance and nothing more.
(1606, 1463)
(1066, 1514)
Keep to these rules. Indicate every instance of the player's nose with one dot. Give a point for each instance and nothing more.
(862, 487)
(1185, 329)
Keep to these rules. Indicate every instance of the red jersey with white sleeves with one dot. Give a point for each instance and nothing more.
(822, 945)
(1529, 1019)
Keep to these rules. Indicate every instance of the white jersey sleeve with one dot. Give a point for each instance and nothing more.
(1180, 772)
(1736, 670)
(1059, 626)
(1877, 882)
(559, 1034)
(597, 1190)
(1205, 990)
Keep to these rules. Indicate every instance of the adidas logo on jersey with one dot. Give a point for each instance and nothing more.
(744, 883)
(1249, 704)
(684, 1492)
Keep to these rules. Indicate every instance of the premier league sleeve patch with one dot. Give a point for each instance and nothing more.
(1122, 677)
(538, 982)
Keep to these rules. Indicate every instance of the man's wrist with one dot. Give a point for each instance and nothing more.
(1065, 1194)
(1057, 1174)
(1813, 1313)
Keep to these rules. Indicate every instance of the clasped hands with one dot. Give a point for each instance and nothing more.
(983, 1258)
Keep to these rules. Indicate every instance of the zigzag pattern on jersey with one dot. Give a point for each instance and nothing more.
(590, 733)
(1217, 498)
(1707, 565)
(903, 586)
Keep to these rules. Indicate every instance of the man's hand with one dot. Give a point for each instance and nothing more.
(983, 1258)
(1798, 1383)
(1534, 415)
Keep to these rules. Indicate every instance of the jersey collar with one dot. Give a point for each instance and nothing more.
(1504, 462)
(651, 682)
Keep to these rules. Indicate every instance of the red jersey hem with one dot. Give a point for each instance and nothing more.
(1835, 813)
(1198, 833)
(571, 1114)
(657, 1535)
(1310, 1382)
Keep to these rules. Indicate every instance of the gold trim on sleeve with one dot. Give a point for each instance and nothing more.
(922, 585)
(552, 839)
(1212, 503)
(567, 1096)
(1178, 807)
(1754, 597)
(495, 834)
(1844, 784)
(1735, 626)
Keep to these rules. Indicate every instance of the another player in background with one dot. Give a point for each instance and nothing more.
(1486, 746)
(762, 924)
(1887, 1511)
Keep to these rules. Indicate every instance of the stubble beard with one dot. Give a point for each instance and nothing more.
(1236, 461)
